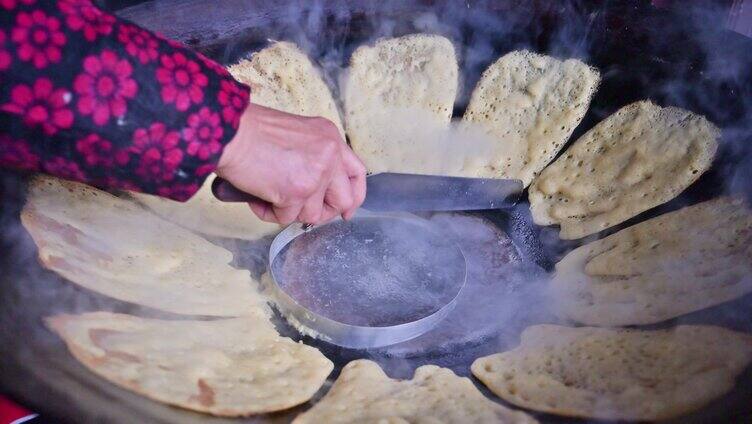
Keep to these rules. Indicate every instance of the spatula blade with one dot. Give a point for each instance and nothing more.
(411, 192)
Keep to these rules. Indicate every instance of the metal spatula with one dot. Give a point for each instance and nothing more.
(365, 283)
(388, 192)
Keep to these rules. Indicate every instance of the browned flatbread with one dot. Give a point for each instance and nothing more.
(638, 158)
(364, 394)
(529, 104)
(617, 374)
(228, 367)
(117, 248)
(677, 263)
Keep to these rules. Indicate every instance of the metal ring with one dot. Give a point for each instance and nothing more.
(354, 336)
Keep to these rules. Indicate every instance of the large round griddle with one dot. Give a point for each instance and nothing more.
(681, 57)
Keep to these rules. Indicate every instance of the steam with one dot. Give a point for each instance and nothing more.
(28, 293)
(717, 84)
(413, 140)
(504, 293)
(480, 30)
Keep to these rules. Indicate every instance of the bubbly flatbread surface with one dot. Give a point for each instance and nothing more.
(364, 394)
(282, 77)
(677, 263)
(227, 367)
(117, 248)
(529, 104)
(399, 94)
(640, 157)
(617, 374)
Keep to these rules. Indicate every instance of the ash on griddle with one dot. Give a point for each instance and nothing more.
(371, 271)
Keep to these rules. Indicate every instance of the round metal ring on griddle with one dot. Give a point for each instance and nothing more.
(376, 280)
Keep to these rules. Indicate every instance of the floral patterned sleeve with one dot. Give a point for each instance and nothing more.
(89, 97)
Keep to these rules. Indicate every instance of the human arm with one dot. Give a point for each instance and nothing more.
(99, 100)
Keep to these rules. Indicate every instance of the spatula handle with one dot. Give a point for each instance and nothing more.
(226, 192)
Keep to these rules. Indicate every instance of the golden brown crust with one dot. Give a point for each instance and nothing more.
(617, 374)
(99, 341)
(117, 248)
(639, 157)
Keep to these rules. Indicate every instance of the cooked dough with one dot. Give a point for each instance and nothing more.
(282, 77)
(639, 157)
(364, 394)
(204, 214)
(617, 374)
(530, 104)
(115, 247)
(399, 94)
(228, 367)
(671, 265)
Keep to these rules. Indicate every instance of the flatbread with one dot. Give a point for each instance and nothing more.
(227, 367)
(282, 77)
(364, 394)
(115, 247)
(639, 157)
(617, 374)
(530, 104)
(204, 214)
(668, 266)
(399, 94)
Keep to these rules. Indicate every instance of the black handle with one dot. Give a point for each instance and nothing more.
(226, 192)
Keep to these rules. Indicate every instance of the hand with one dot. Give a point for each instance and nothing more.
(300, 165)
